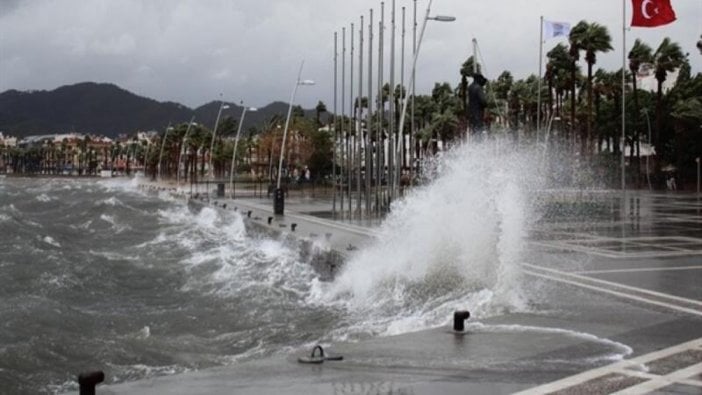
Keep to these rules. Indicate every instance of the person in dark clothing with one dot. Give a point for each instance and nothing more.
(477, 103)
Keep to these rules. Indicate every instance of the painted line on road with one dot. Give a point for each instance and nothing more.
(617, 293)
(615, 367)
(641, 269)
(662, 381)
(616, 285)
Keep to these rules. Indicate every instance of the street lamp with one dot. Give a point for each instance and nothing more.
(222, 106)
(182, 148)
(236, 145)
(160, 155)
(698, 174)
(279, 198)
(438, 18)
(650, 148)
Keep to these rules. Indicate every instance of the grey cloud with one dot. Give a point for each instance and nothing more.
(191, 51)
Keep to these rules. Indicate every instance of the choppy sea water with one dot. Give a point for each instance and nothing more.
(97, 274)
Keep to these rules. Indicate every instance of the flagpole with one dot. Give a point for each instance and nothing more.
(623, 146)
(538, 95)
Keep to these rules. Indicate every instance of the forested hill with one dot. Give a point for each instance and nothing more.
(109, 110)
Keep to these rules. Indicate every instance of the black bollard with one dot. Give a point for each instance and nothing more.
(293, 226)
(270, 219)
(458, 318)
(87, 381)
(248, 214)
(224, 205)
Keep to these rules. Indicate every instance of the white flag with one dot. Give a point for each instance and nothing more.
(556, 29)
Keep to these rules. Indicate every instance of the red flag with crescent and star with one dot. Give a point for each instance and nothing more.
(652, 13)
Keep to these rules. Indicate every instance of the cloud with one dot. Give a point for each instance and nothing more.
(191, 51)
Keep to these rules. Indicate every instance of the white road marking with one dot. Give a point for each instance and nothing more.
(616, 285)
(662, 381)
(620, 294)
(642, 269)
(615, 367)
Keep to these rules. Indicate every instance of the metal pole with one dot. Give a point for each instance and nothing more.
(160, 155)
(359, 126)
(351, 148)
(369, 119)
(180, 154)
(236, 145)
(381, 110)
(401, 133)
(623, 144)
(538, 95)
(342, 124)
(413, 93)
(336, 130)
(414, 63)
(287, 122)
(392, 139)
(698, 174)
(214, 134)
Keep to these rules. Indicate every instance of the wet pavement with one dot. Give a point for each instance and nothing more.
(620, 287)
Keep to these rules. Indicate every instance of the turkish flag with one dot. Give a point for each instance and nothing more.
(652, 13)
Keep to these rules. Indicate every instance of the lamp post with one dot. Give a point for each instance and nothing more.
(698, 174)
(279, 197)
(438, 18)
(180, 154)
(648, 122)
(236, 144)
(160, 155)
(222, 106)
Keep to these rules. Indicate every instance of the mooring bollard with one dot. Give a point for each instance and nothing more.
(87, 381)
(270, 219)
(293, 226)
(458, 320)
(248, 214)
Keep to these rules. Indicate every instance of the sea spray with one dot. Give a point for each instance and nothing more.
(455, 242)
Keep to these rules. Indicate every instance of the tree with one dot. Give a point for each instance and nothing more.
(667, 58)
(591, 38)
(640, 53)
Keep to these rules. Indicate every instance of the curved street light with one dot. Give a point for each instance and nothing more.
(236, 145)
(210, 170)
(160, 155)
(438, 18)
(279, 196)
(180, 154)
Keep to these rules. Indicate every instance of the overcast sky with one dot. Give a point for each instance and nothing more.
(191, 51)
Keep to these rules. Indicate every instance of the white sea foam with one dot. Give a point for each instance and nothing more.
(50, 240)
(44, 198)
(118, 228)
(619, 350)
(455, 243)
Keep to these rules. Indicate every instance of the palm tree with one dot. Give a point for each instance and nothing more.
(591, 38)
(576, 34)
(667, 58)
(639, 53)
(558, 62)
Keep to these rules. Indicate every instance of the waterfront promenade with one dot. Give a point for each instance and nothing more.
(619, 311)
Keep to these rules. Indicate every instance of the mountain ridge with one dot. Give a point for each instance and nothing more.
(106, 109)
